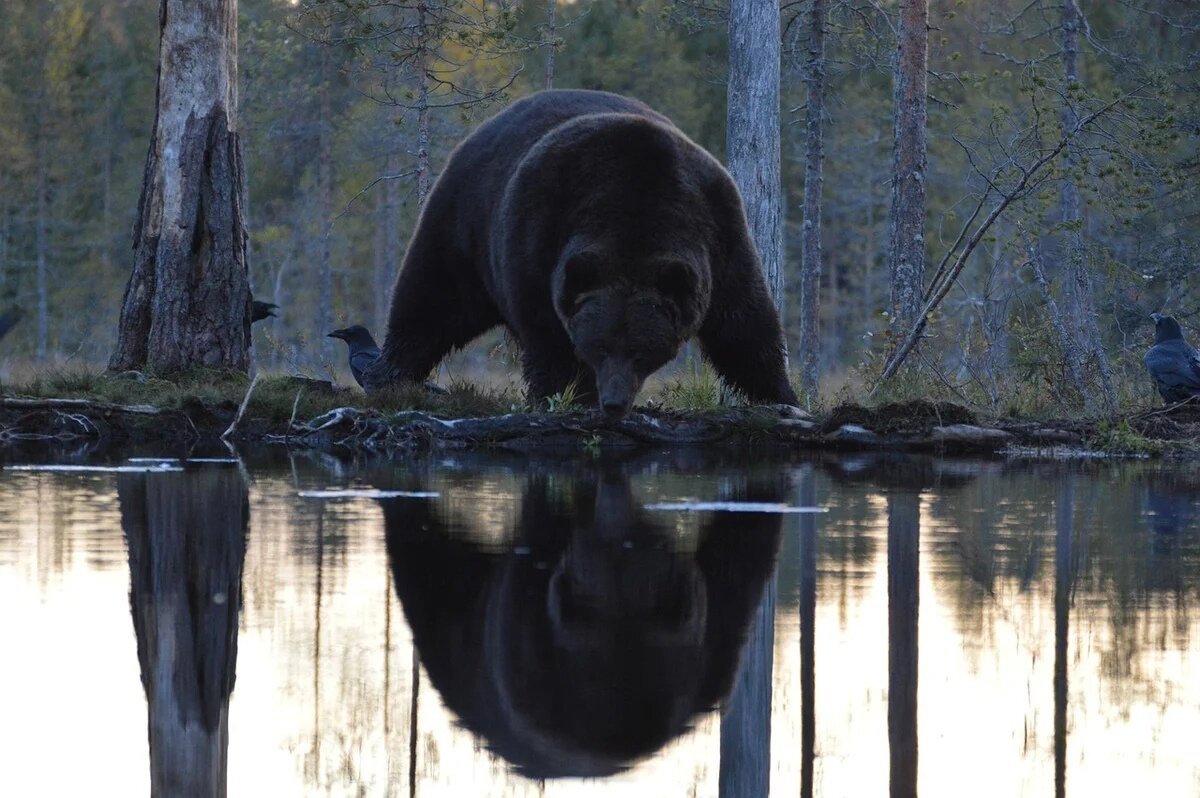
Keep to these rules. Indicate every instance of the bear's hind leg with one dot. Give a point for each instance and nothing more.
(436, 308)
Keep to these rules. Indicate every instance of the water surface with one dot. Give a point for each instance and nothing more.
(463, 624)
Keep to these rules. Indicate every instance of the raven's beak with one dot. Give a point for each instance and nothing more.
(337, 334)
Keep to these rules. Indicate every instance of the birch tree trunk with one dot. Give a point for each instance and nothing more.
(187, 302)
(810, 235)
(752, 129)
(906, 245)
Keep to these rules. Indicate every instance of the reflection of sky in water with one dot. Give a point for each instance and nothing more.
(324, 680)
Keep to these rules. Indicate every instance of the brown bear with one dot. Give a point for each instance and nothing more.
(603, 238)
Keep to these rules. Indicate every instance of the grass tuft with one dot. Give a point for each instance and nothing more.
(697, 388)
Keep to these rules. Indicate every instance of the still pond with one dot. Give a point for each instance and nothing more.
(671, 624)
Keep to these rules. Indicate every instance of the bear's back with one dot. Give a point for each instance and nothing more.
(462, 207)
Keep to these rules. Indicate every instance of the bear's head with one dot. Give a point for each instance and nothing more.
(627, 317)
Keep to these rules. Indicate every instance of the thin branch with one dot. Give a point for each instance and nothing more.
(939, 292)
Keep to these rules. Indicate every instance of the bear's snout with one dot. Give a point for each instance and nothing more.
(618, 386)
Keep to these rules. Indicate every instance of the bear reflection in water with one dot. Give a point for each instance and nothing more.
(594, 639)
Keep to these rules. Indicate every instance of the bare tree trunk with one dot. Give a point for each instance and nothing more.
(5, 228)
(422, 65)
(1067, 344)
(810, 236)
(752, 129)
(325, 211)
(1077, 288)
(906, 245)
(383, 221)
(43, 246)
(551, 33)
(393, 246)
(187, 302)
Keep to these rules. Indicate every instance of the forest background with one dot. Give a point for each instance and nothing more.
(342, 135)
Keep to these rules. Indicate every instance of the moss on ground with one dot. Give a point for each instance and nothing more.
(276, 398)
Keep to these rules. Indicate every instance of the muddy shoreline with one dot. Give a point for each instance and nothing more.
(917, 426)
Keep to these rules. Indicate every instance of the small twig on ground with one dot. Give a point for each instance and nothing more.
(241, 410)
(295, 407)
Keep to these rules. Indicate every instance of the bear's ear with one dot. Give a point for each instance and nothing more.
(675, 280)
(582, 272)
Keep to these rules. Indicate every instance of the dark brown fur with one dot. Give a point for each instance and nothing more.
(603, 238)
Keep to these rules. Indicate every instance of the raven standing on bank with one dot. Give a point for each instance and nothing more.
(1174, 365)
(363, 349)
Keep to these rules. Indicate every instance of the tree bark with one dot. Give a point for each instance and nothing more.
(393, 243)
(325, 210)
(1077, 287)
(810, 235)
(42, 245)
(422, 75)
(551, 33)
(906, 246)
(187, 302)
(752, 129)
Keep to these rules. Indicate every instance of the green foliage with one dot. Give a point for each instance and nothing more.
(696, 388)
(566, 400)
(1120, 438)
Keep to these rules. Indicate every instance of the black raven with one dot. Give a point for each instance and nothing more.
(1174, 365)
(9, 319)
(363, 349)
(262, 310)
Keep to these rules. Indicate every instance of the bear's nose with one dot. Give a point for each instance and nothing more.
(613, 407)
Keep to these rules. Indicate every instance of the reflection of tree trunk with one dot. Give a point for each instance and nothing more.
(746, 724)
(904, 529)
(187, 542)
(315, 751)
(1064, 523)
(413, 728)
(808, 619)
